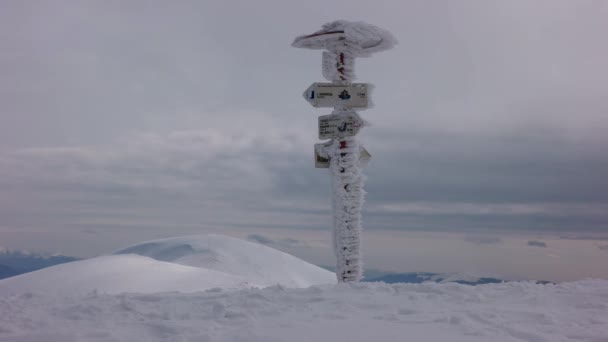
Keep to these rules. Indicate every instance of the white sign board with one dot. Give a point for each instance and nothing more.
(339, 125)
(354, 95)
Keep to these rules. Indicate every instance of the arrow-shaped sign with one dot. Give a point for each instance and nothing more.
(354, 95)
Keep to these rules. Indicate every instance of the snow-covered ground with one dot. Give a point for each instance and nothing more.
(363, 312)
(201, 288)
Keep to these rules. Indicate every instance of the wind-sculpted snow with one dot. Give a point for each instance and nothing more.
(507, 312)
(261, 265)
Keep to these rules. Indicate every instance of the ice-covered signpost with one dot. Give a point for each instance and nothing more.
(342, 154)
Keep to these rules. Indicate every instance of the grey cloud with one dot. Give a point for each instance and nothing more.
(196, 174)
(482, 240)
(291, 241)
(492, 169)
(583, 237)
(535, 243)
(190, 175)
(603, 247)
(284, 243)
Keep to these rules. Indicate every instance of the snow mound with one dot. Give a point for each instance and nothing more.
(259, 264)
(508, 312)
(115, 274)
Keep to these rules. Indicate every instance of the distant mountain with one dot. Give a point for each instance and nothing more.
(421, 277)
(13, 263)
(373, 275)
(6, 272)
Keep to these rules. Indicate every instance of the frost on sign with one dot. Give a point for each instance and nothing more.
(354, 95)
(339, 125)
(322, 158)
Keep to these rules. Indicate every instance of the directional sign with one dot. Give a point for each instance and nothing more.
(322, 158)
(364, 156)
(339, 125)
(354, 95)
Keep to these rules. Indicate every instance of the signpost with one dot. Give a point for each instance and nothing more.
(342, 154)
(335, 126)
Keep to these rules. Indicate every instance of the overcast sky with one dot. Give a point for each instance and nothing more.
(151, 118)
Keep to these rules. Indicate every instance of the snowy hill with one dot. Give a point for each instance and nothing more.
(117, 274)
(259, 264)
(184, 264)
(430, 312)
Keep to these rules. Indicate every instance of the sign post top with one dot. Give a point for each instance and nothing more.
(364, 38)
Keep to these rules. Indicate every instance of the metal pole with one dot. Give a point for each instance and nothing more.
(347, 182)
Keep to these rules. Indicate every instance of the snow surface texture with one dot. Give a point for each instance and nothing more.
(344, 41)
(507, 312)
(185, 264)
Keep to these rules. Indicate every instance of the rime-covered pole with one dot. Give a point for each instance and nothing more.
(343, 41)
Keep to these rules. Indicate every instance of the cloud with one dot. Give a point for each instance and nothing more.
(202, 176)
(260, 239)
(482, 240)
(603, 247)
(583, 237)
(278, 243)
(535, 243)
(191, 177)
(291, 241)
